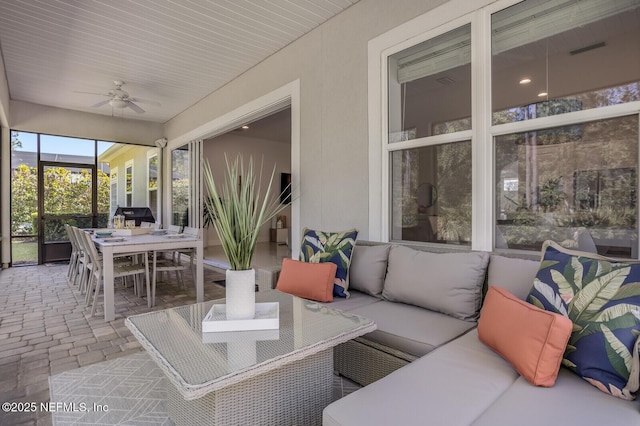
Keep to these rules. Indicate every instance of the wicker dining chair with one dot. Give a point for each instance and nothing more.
(96, 268)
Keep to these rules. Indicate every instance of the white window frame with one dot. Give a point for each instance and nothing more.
(126, 191)
(440, 20)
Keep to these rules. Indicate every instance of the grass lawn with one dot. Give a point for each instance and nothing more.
(24, 252)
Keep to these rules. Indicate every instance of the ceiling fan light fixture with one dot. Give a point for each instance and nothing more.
(118, 103)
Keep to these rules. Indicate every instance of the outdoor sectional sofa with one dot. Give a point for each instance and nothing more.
(425, 365)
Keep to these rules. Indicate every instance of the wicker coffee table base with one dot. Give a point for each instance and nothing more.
(364, 361)
(294, 394)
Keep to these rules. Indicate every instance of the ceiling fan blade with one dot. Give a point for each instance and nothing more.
(101, 103)
(146, 101)
(135, 107)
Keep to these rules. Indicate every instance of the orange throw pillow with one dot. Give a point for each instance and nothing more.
(531, 339)
(312, 281)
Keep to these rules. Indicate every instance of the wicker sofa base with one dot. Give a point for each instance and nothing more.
(364, 361)
(295, 393)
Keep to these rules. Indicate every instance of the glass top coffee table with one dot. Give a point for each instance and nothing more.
(281, 376)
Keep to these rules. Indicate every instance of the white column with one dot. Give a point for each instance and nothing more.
(5, 197)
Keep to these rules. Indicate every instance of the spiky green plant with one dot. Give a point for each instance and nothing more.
(238, 210)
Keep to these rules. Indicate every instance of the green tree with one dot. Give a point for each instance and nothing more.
(68, 192)
(15, 141)
(24, 199)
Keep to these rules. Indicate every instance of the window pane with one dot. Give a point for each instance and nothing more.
(67, 150)
(554, 57)
(67, 191)
(179, 185)
(107, 194)
(153, 203)
(430, 87)
(24, 183)
(153, 172)
(431, 194)
(104, 197)
(575, 185)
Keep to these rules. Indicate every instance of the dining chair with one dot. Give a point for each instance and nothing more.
(172, 261)
(175, 229)
(196, 232)
(167, 254)
(84, 261)
(97, 272)
(83, 271)
(151, 225)
(75, 254)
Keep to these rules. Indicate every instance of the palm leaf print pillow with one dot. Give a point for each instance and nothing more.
(336, 247)
(602, 298)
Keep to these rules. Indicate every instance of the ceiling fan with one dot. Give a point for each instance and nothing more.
(120, 99)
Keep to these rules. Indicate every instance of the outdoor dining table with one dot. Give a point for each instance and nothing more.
(145, 243)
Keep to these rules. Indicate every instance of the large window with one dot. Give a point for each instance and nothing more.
(574, 183)
(506, 123)
(55, 180)
(431, 193)
(555, 57)
(422, 79)
(430, 188)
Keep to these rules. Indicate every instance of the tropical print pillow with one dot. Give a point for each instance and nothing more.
(336, 247)
(602, 298)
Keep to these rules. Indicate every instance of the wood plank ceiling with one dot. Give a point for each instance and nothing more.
(173, 52)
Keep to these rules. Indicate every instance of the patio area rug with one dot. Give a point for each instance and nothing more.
(124, 391)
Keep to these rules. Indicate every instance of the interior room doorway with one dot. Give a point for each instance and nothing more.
(268, 141)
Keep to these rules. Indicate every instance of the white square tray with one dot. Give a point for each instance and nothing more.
(240, 336)
(267, 318)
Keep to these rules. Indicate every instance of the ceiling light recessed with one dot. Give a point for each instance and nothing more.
(542, 94)
(525, 81)
(245, 127)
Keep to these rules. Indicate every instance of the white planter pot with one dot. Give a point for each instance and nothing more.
(240, 294)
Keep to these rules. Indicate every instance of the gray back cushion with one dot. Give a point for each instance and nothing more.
(450, 283)
(368, 268)
(514, 275)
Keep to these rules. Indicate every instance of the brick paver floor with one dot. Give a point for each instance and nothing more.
(45, 329)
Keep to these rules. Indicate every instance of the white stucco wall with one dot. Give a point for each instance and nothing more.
(331, 63)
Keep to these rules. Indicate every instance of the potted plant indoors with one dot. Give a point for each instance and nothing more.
(238, 208)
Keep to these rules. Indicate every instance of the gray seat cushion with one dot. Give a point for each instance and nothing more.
(465, 383)
(512, 274)
(453, 385)
(450, 283)
(368, 268)
(571, 401)
(411, 329)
